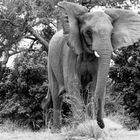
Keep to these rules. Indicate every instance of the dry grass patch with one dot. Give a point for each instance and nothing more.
(30, 136)
(86, 130)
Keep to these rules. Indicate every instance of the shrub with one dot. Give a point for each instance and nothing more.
(125, 75)
(23, 90)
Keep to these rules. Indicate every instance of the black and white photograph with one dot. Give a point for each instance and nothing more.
(69, 69)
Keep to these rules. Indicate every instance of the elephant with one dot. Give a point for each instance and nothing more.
(83, 49)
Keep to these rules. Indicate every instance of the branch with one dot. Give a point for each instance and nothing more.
(5, 58)
(31, 46)
(16, 52)
(118, 97)
(29, 37)
(37, 36)
(53, 24)
(7, 20)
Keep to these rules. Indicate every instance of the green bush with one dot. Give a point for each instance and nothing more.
(125, 75)
(23, 90)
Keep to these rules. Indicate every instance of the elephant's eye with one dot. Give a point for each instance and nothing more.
(89, 34)
(88, 37)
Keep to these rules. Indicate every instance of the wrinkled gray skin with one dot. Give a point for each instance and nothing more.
(72, 52)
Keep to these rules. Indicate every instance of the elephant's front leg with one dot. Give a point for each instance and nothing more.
(91, 100)
(72, 81)
(71, 71)
(76, 100)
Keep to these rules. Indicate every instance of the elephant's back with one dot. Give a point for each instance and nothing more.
(56, 40)
(55, 46)
(55, 56)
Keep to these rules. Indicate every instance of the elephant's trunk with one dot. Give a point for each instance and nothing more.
(103, 69)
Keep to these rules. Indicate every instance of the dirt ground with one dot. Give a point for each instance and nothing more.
(118, 135)
(113, 131)
(125, 135)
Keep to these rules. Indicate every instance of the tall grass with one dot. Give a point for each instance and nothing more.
(9, 126)
(80, 111)
(82, 122)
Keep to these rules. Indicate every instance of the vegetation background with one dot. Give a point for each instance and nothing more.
(26, 26)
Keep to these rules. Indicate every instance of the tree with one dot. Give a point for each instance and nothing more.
(18, 20)
(107, 3)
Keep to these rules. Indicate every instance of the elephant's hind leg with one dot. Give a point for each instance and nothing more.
(57, 102)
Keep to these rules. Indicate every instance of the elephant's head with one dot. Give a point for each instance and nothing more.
(93, 30)
(101, 32)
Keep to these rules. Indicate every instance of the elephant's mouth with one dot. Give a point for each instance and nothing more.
(88, 49)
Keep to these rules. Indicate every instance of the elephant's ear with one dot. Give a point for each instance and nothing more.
(71, 28)
(126, 27)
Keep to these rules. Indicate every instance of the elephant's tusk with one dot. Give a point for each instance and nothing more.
(96, 54)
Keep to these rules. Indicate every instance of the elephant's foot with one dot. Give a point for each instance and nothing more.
(55, 130)
(100, 122)
(56, 127)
